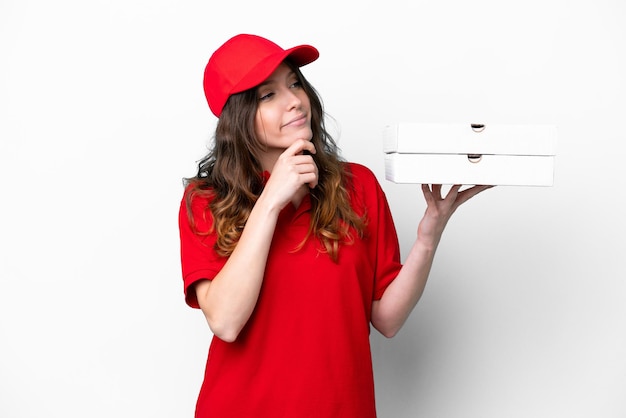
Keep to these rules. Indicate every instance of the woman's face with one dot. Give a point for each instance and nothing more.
(284, 111)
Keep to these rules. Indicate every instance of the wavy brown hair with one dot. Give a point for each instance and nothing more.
(231, 177)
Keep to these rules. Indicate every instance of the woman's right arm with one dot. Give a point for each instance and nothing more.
(229, 299)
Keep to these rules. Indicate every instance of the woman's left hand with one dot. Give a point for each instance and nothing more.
(439, 209)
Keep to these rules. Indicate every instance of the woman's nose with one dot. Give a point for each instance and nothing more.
(293, 100)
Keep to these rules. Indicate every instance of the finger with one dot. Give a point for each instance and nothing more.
(308, 174)
(306, 167)
(313, 182)
(453, 192)
(436, 191)
(428, 195)
(308, 146)
(467, 194)
(299, 146)
(313, 170)
(317, 176)
(302, 159)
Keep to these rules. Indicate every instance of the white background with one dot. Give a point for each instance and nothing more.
(102, 114)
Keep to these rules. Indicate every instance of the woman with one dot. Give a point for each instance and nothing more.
(289, 251)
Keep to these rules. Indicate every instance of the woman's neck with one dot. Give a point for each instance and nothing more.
(268, 159)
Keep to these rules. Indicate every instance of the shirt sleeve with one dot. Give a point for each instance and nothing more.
(384, 247)
(199, 260)
(388, 262)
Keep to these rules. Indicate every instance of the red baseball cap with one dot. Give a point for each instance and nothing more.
(245, 61)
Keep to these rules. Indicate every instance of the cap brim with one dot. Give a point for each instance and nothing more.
(302, 55)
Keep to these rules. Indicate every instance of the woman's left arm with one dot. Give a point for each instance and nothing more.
(391, 311)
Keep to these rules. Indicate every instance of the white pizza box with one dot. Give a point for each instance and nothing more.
(506, 155)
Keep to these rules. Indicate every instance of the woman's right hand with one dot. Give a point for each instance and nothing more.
(294, 169)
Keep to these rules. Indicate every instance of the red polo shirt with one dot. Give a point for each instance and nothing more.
(305, 350)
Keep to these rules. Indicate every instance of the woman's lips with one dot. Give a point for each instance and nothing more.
(298, 121)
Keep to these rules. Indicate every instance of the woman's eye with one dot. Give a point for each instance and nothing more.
(296, 84)
(266, 96)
